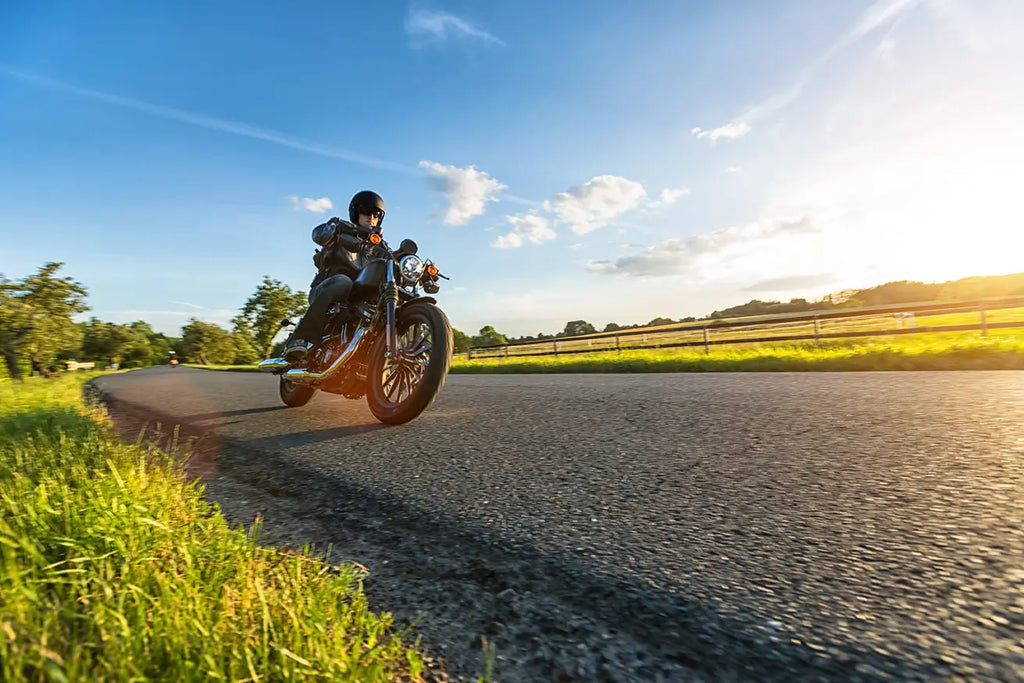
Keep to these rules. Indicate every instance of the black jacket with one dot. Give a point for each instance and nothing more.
(337, 255)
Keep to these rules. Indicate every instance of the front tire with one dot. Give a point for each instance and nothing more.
(296, 395)
(402, 388)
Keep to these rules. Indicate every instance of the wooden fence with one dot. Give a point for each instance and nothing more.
(982, 315)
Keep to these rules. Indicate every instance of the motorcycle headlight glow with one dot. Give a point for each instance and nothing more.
(411, 267)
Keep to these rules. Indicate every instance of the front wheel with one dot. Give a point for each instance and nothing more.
(400, 388)
(296, 395)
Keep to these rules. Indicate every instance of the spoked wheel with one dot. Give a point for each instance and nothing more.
(295, 395)
(400, 388)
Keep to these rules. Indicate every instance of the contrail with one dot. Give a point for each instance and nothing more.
(874, 17)
(208, 122)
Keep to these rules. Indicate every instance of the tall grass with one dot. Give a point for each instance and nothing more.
(112, 569)
(929, 352)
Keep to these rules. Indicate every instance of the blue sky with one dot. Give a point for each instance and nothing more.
(611, 160)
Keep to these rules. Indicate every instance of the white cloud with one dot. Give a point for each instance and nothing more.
(668, 196)
(733, 169)
(675, 255)
(509, 241)
(596, 202)
(435, 26)
(188, 305)
(315, 205)
(468, 190)
(730, 131)
(531, 228)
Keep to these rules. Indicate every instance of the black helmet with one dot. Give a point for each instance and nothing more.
(368, 201)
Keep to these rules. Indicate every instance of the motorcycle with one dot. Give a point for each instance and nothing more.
(389, 342)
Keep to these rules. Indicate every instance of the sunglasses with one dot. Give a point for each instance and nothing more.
(367, 211)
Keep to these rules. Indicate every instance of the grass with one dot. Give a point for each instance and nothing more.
(111, 568)
(927, 352)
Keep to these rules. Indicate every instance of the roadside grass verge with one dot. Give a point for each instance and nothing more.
(934, 352)
(112, 568)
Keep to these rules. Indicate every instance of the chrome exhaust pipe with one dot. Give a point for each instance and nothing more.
(301, 376)
(273, 364)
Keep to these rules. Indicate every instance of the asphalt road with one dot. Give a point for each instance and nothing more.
(834, 526)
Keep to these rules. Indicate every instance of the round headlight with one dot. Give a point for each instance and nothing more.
(411, 267)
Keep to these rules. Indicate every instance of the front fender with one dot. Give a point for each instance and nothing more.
(414, 299)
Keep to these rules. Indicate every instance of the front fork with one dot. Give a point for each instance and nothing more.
(391, 305)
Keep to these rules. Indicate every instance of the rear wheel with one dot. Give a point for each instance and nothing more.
(296, 395)
(400, 388)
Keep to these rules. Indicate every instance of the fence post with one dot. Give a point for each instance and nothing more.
(707, 344)
(617, 347)
(984, 322)
(554, 345)
(817, 330)
(506, 350)
(469, 353)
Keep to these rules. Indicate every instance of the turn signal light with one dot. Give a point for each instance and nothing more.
(432, 270)
(374, 238)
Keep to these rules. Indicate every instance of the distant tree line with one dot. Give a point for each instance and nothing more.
(37, 331)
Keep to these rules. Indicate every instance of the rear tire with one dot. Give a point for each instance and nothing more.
(400, 390)
(296, 395)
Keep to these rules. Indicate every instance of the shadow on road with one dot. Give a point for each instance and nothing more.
(304, 438)
(544, 611)
(202, 417)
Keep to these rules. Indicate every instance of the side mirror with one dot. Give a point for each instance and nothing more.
(407, 246)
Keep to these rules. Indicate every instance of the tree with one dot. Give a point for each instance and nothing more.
(206, 343)
(575, 328)
(139, 351)
(902, 291)
(35, 318)
(660, 321)
(489, 337)
(242, 349)
(109, 343)
(611, 327)
(264, 310)
(242, 340)
(461, 341)
(160, 347)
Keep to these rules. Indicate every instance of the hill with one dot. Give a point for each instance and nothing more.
(898, 292)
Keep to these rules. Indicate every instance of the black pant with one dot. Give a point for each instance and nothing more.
(334, 289)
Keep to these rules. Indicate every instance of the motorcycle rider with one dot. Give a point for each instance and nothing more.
(336, 268)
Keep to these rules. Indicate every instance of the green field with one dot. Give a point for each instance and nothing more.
(111, 568)
(945, 351)
(693, 333)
